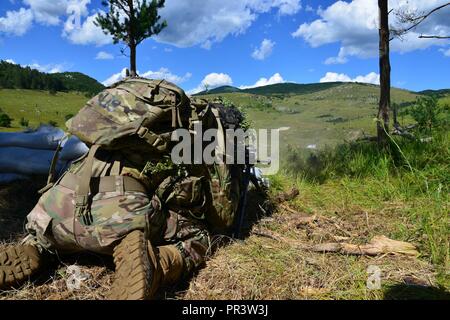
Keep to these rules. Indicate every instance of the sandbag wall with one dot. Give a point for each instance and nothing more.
(27, 153)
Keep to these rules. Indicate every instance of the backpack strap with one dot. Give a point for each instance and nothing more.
(52, 170)
(220, 133)
(82, 189)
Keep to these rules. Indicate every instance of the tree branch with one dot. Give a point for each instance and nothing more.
(434, 37)
(120, 4)
(420, 19)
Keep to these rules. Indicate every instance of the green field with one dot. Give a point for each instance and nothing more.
(326, 117)
(39, 107)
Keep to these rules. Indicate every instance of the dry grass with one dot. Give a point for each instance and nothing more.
(263, 266)
(16, 201)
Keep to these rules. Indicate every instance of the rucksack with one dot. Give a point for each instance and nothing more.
(104, 195)
(134, 114)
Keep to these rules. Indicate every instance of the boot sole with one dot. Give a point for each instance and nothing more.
(134, 271)
(17, 265)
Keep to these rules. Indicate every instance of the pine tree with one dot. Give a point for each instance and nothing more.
(131, 22)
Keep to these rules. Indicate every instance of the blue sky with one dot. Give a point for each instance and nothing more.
(236, 42)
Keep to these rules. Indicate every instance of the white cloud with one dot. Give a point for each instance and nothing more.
(102, 55)
(264, 51)
(194, 22)
(115, 77)
(165, 73)
(162, 73)
(199, 22)
(354, 25)
(88, 33)
(211, 81)
(372, 78)
(340, 59)
(276, 78)
(49, 68)
(446, 52)
(47, 12)
(16, 23)
(308, 8)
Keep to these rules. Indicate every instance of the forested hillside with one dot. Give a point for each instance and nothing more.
(14, 76)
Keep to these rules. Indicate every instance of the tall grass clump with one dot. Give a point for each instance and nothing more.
(413, 170)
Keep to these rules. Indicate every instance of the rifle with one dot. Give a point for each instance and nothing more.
(249, 176)
(242, 203)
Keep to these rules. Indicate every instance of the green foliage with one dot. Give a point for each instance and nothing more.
(140, 22)
(53, 123)
(24, 122)
(161, 167)
(68, 116)
(428, 113)
(13, 76)
(428, 160)
(246, 123)
(5, 120)
(79, 82)
(411, 173)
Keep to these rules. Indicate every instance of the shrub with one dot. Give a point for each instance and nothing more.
(68, 116)
(5, 120)
(53, 123)
(24, 122)
(428, 114)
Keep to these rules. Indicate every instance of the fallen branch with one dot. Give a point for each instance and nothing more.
(378, 245)
(287, 196)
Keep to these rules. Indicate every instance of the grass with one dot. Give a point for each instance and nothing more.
(348, 192)
(264, 268)
(356, 104)
(354, 192)
(39, 107)
(353, 205)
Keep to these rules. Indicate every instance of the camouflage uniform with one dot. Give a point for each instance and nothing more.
(167, 216)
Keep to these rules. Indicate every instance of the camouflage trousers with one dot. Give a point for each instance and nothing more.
(53, 226)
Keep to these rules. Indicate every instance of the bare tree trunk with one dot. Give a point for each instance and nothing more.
(395, 108)
(133, 71)
(385, 75)
(132, 42)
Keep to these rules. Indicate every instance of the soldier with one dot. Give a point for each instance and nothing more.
(169, 236)
(125, 198)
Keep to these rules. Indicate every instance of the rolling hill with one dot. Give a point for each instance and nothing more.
(76, 81)
(297, 88)
(279, 88)
(318, 114)
(14, 76)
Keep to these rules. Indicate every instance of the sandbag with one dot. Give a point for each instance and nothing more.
(26, 161)
(45, 137)
(72, 149)
(31, 153)
(6, 178)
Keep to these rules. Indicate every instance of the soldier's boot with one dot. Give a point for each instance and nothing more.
(142, 268)
(171, 264)
(135, 272)
(18, 263)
